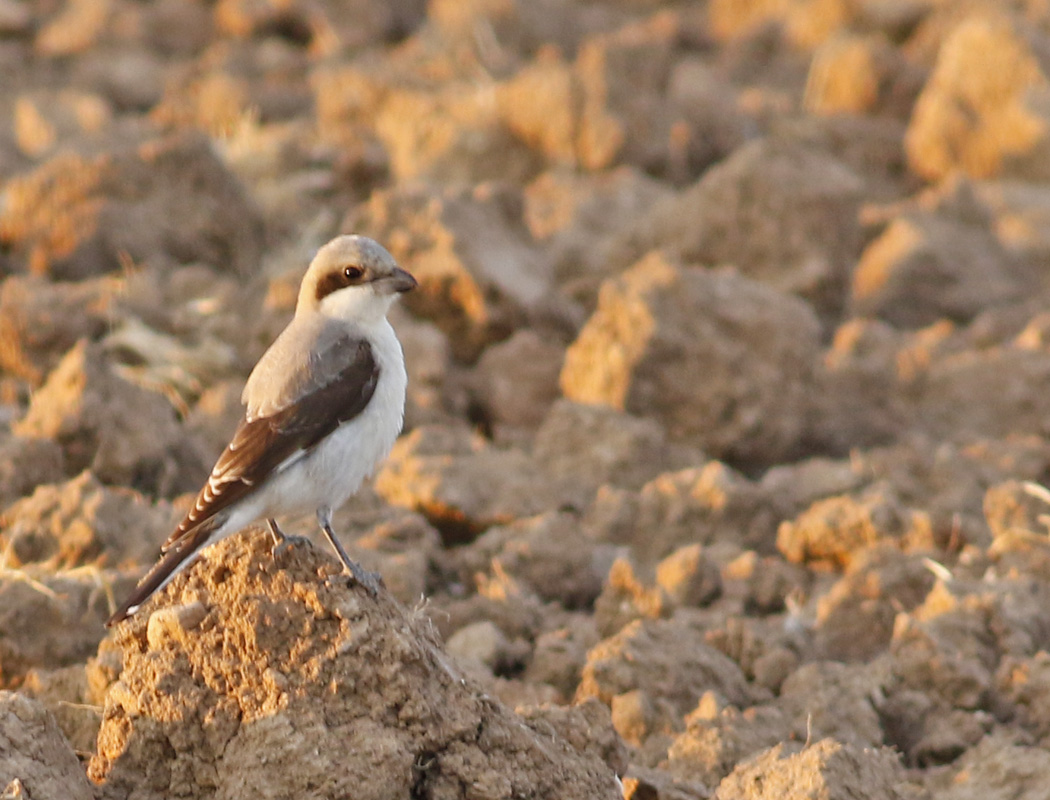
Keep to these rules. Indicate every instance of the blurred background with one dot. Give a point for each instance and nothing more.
(731, 321)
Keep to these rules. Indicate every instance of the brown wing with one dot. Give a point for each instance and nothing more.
(264, 445)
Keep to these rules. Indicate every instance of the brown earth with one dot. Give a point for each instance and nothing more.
(727, 428)
(301, 685)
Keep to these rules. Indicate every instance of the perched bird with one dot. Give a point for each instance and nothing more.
(323, 407)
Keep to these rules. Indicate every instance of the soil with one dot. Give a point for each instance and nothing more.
(727, 440)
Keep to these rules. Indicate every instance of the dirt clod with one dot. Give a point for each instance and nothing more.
(304, 684)
(35, 758)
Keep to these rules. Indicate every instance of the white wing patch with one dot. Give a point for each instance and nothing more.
(298, 454)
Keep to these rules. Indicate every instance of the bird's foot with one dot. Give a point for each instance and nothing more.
(371, 581)
(281, 540)
(287, 542)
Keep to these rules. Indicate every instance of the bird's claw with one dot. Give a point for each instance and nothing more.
(287, 542)
(371, 581)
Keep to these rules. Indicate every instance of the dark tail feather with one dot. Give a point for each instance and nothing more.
(163, 571)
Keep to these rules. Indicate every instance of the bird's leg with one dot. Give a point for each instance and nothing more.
(370, 580)
(275, 532)
(281, 540)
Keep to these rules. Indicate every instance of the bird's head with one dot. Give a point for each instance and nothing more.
(353, 278)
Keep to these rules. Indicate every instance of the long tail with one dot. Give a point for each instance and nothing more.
(171, 563)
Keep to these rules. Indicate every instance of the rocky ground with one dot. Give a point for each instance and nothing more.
(728, 425)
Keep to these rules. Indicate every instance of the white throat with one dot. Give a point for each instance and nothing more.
(357, 304)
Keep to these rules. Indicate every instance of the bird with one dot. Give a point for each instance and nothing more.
(323, 407)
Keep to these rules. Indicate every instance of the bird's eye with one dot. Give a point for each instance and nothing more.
(353, 273)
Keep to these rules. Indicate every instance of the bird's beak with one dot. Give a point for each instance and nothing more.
(399, 281)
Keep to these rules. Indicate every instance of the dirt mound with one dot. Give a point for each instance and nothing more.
(35, 758)
(827, 769)
(296, 684)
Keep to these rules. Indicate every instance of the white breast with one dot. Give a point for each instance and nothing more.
(334, 469)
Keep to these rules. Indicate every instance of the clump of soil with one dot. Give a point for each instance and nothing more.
(300, 684)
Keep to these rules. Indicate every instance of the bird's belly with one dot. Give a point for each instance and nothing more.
(328, 473)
